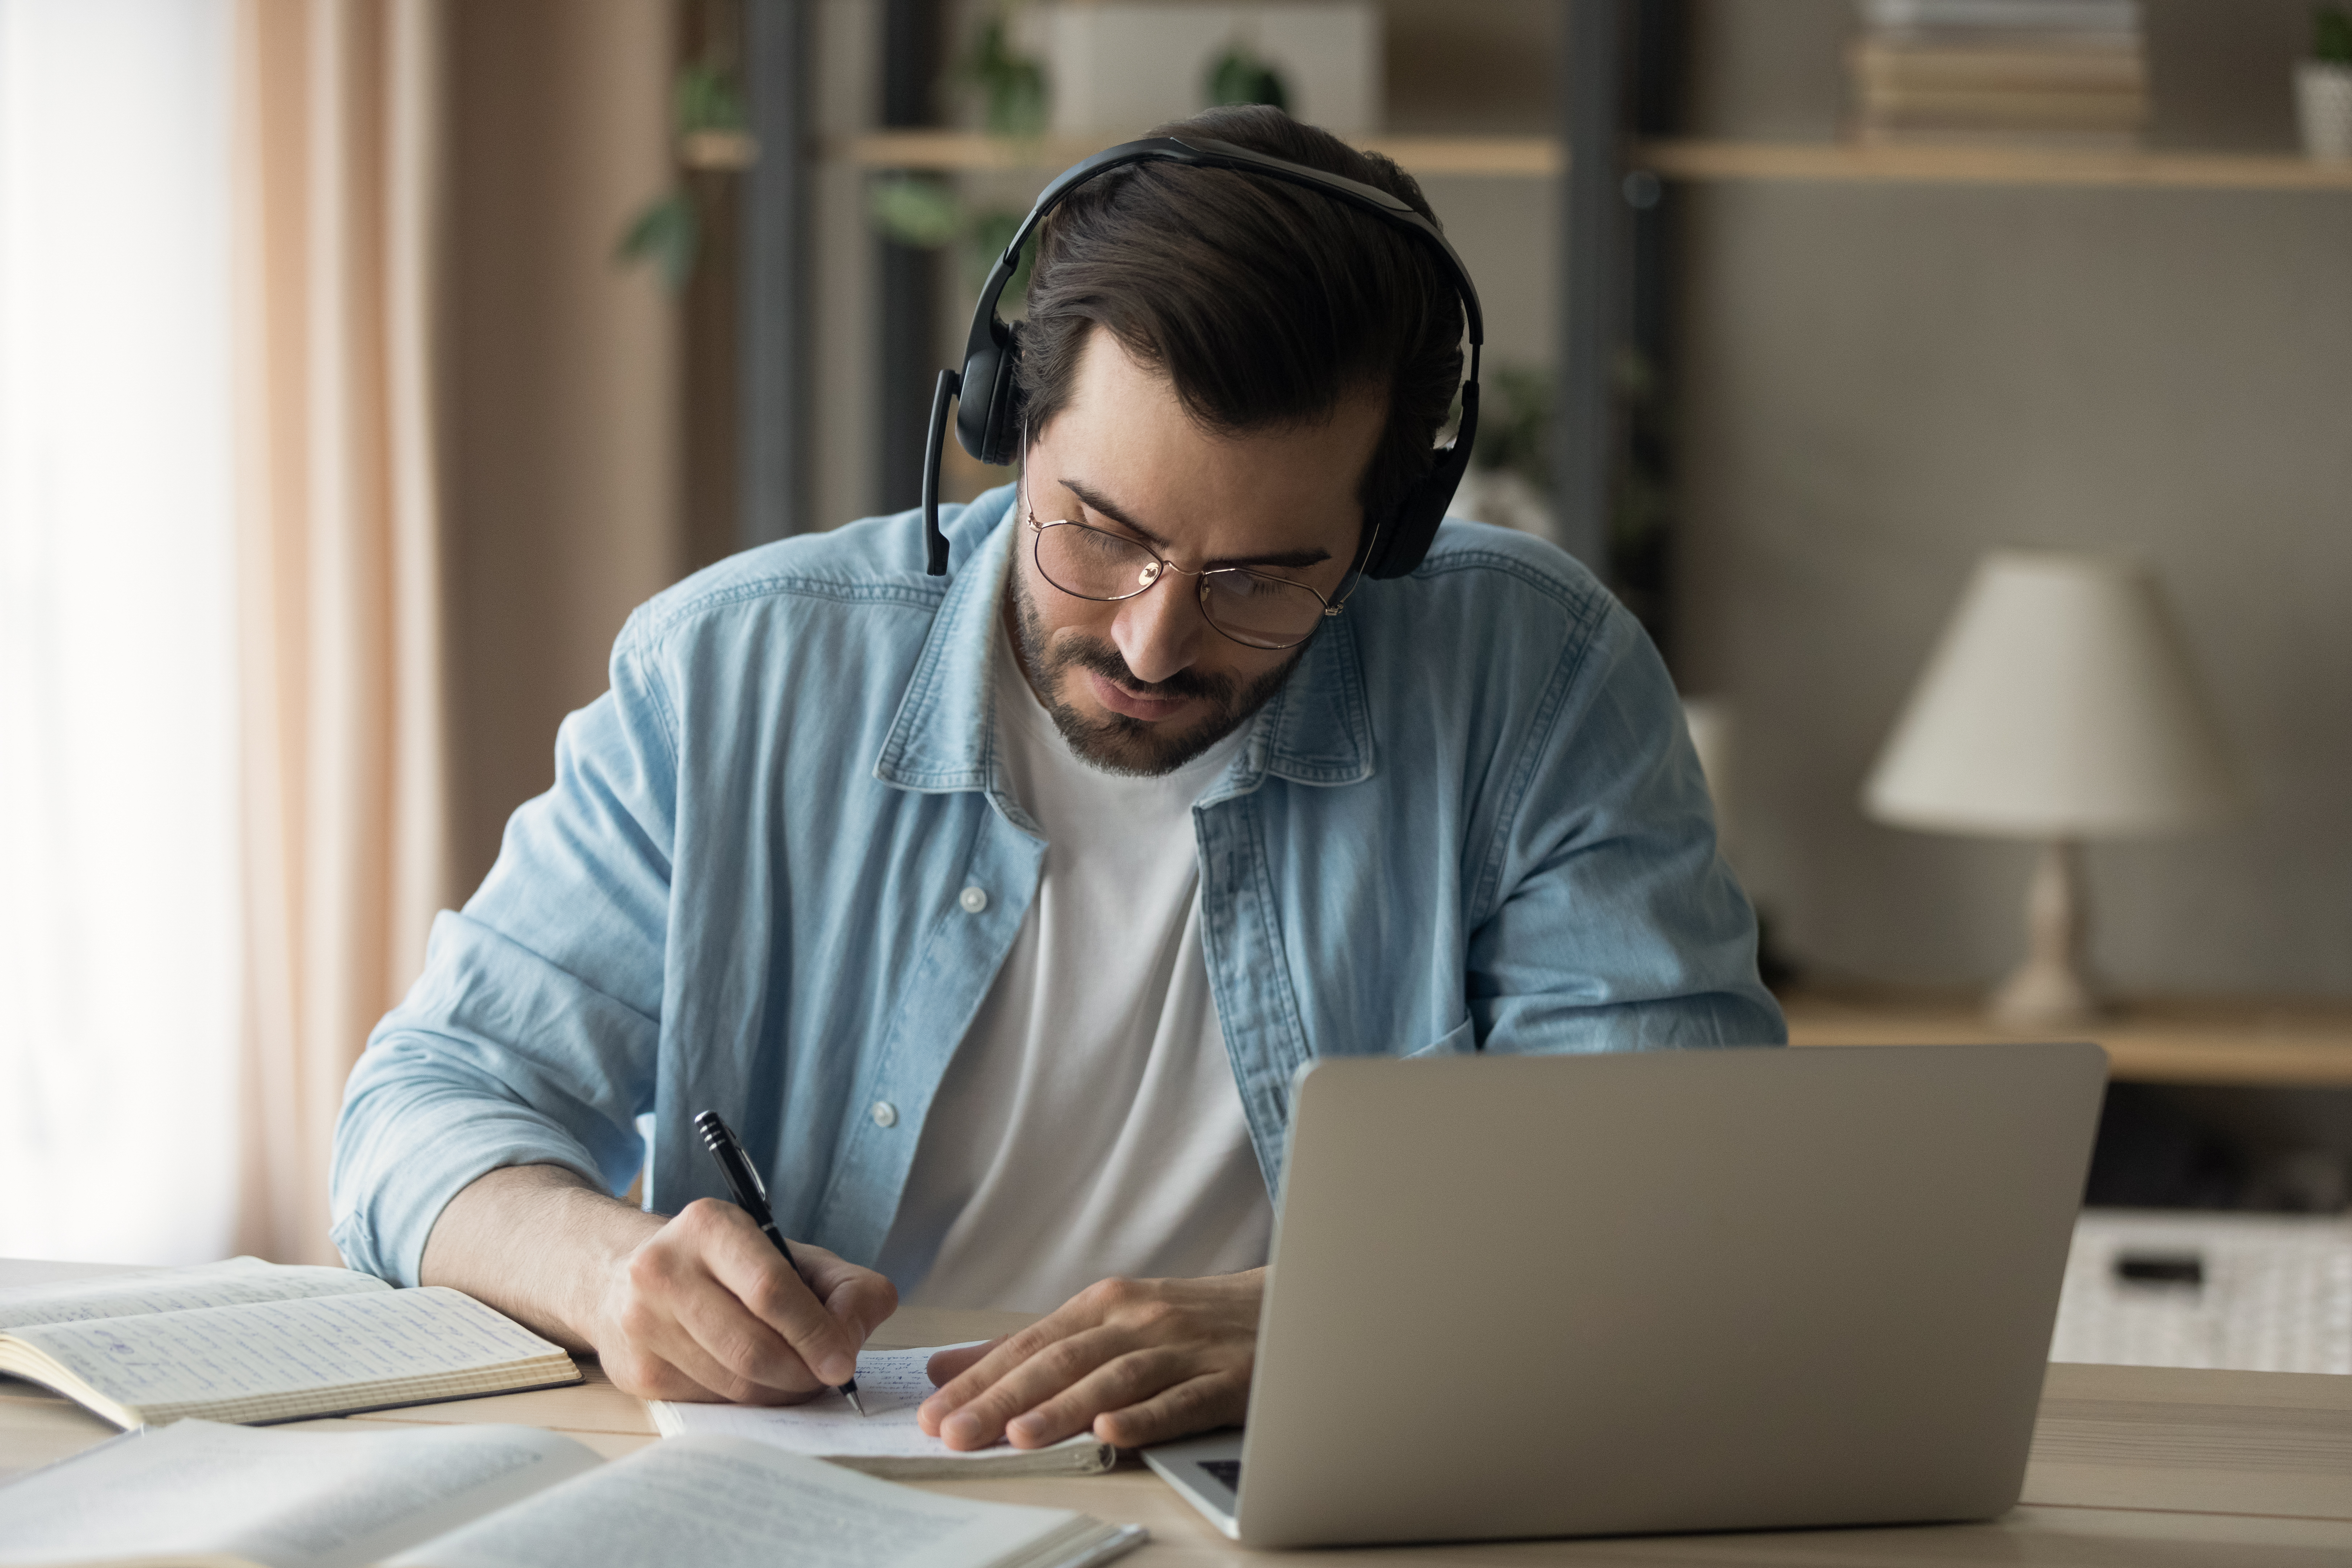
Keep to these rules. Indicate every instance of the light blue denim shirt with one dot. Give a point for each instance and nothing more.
(779, 869)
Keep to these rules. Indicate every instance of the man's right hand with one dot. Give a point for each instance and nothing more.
(706, 1308)
(697, 1306)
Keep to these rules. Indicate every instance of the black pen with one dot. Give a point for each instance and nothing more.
(752, 1198)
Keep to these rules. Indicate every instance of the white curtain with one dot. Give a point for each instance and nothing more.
(119, 919)
(337, 214)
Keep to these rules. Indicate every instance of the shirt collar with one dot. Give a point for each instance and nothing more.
(1316, 730)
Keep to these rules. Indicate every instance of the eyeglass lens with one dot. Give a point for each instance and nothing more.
(1257, 611)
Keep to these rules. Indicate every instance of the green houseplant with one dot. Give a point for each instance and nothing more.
(2322, 86)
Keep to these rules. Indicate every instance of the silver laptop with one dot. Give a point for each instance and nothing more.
(1673, 1290)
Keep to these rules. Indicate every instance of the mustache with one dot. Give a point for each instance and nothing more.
(1104, 660)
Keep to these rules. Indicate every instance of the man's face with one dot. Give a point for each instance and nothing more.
(1144, 685)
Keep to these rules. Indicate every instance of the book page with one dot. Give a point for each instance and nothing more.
(719, 1502)
(890, 1384)
(286, 1499)
(229, 1284)
(216, 1354)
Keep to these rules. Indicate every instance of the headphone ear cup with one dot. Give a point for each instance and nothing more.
(1418, 515)
(977, 401)
(988, 417)
(971, 403)
(1424, 506)
(1004, 403)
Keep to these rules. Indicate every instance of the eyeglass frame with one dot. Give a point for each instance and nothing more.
(1161, 566)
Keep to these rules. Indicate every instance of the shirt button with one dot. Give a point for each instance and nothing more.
(885, 1114)
(973, 899)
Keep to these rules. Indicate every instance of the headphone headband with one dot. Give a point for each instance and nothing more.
(986, 421)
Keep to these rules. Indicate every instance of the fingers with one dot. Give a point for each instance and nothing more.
(740, 1258)
(995, 1361)
(980, 1417)
(709, 1302)
(950, 1365)
(635, 1370)
(1115, 1384)
(861, 1299)
(674, 1310)
(1133, 1361)
(1197, 1405)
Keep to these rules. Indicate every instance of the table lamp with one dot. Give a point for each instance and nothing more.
(2058, 705)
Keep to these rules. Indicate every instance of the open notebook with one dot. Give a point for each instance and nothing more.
(885, 1441)
(504, 1497)
(253, 1342)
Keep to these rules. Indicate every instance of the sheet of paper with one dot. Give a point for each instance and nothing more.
(228, 1284)
(719, 1502)
(890, 1384)
(288, 1500)
(218, 1353)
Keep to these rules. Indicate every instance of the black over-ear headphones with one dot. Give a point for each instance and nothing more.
(988, 418)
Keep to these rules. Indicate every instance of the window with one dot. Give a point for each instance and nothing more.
(119, 914)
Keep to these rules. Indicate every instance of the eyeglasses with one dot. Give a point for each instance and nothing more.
(1252, 608)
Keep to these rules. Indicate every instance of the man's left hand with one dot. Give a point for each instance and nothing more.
(1134, 1361)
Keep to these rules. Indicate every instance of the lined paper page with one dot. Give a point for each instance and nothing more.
(890, 1384)
(288, 1499)
(238, 1281)
(717, 1502)
(268, 1360)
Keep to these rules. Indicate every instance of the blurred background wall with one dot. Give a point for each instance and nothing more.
(561, 401)
(1883, 380)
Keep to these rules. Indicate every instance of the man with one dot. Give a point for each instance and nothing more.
(998, 913)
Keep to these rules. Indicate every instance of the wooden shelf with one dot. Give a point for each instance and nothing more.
(1539, 157)
(2248, 1042)
(954, 151)
(2023, 165)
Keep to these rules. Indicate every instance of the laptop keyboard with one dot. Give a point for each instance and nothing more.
(1226, 1470)
(2245, 1292)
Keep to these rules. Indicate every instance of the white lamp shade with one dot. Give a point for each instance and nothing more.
(2059, 703)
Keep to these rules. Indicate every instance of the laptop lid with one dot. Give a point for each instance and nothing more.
(1672, 1290)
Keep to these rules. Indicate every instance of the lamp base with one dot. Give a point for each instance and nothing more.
(2046, 996)
(2051, 989)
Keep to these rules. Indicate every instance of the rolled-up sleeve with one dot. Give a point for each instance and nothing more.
(531, 1036)
(1616, 925)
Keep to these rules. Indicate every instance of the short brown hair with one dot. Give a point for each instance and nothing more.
(1265, 303)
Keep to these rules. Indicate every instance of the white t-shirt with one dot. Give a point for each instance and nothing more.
(1088, 1125)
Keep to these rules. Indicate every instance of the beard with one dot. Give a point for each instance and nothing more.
(1115, 743)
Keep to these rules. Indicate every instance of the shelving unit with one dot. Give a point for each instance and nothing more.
(2281, 1043)
(964, 151)
(2018, 165)
(1541, 157)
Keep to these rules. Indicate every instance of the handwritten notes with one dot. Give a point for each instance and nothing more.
(891, 1384)
(270, 1360)
(229, 1284)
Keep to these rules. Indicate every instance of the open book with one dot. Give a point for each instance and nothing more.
(885, 1441)
(503, 1497)
(253, 1342)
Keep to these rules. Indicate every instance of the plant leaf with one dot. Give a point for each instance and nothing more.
(668, 234)
(916, 212)
(1239, 76)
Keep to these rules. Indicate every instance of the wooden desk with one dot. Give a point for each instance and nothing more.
(2143, 1466)
(2295, 1044)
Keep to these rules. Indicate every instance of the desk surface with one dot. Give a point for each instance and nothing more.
(2150, 1466)
(2302, 1043)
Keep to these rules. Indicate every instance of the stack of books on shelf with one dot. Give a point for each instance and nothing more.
(2069, 73)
